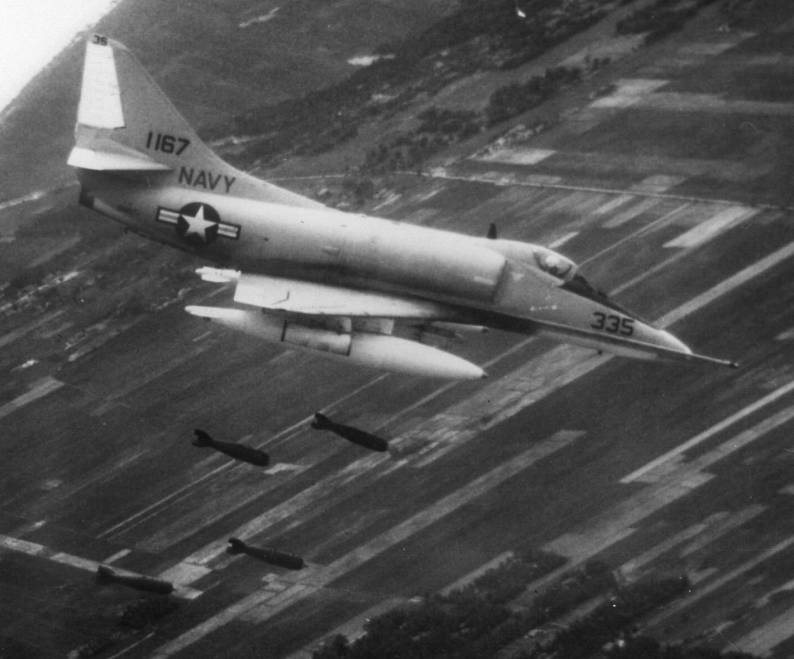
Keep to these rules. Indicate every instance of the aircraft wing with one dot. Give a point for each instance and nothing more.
(314, 299)
(340, 321)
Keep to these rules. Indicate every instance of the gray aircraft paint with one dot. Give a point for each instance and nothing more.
(140, 163)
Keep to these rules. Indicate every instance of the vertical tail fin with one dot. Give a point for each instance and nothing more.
(125, 123)
(124, 120)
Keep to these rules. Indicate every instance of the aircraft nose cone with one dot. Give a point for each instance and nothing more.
(673, 343)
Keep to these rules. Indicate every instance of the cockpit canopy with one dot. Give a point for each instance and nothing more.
(549, 262)
(554, 264)
(557, 267)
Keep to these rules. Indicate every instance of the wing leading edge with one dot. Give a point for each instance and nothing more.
(313, 299)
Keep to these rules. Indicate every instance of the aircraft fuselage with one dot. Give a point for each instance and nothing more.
(495, 282)
(313, 276)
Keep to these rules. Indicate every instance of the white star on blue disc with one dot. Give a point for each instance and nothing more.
(197, 225)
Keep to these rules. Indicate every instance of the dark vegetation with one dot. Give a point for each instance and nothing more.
(738, 12)
(209, 65)
(616, 616)
(146, 611)
(510, 100)
(507, 580)
(437, 129)
(480, 35)
(138, 614)
(647, 648)
(471, 622)
(661, 18)
(482, 619)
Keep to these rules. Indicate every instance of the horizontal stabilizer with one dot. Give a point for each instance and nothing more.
(296, 296)
(114, 160)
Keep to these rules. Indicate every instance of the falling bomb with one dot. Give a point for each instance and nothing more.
(237, 451)
(365, 439)
(266, 554)
(104, 575)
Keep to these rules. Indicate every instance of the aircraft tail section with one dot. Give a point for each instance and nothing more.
(126, 124)
(124, 120)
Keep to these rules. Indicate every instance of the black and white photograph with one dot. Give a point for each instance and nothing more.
(397, 329)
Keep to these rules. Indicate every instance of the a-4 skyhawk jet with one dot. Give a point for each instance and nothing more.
(313, 277)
